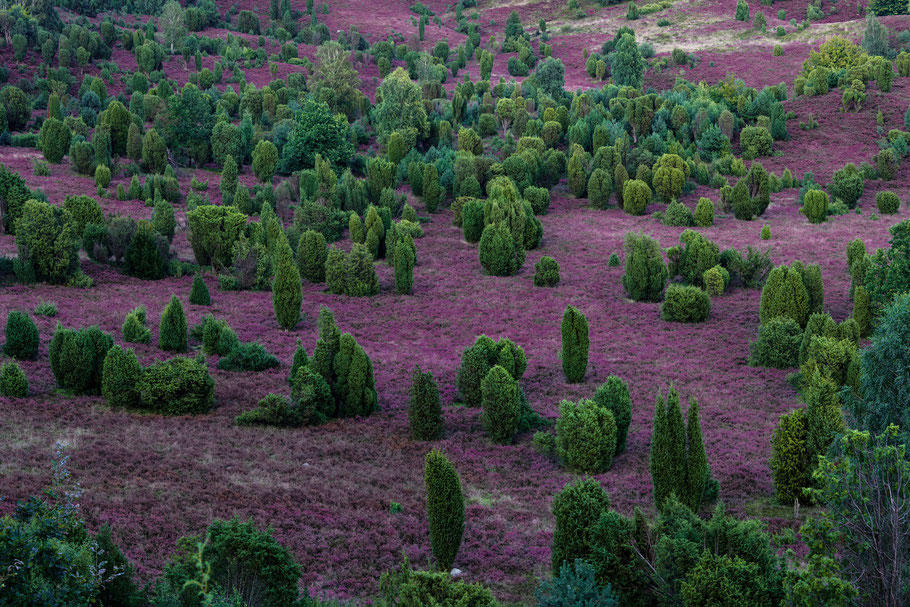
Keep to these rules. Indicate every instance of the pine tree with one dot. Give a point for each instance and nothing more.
(287, 294)
(424, 410)
(445, 508)
(199, 293)
(575, 344)
(172, 330)
(697, 471)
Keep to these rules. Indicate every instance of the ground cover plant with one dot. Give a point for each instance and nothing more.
(320, 300)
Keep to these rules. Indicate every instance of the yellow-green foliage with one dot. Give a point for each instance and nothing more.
(789, 457)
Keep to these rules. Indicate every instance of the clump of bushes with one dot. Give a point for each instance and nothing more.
(179, 386)
(76, 358)
(134, 329)
(478, 359)
(352, 273)
(585, 436)
(546, 272)
(683, 303)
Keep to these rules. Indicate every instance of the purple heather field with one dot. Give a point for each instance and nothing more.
(326, 490)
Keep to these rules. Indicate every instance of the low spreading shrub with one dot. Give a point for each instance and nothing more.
(685, 304)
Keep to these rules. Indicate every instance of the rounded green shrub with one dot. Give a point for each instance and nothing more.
(472, 225)
(777, 345)
(240, 559)
(887, 203)
(77, 357)
(21, 336)
(47, 243)
(585, 436)
(179, 386)
(685, 304)
(815, 206)
(478, 359)
(575, 343)
(172, 329)
(546, 272)
(613, 261)
(54, 139)
(715, 280)
(445, 508)
(765, 232)
(636, 195)
(425, 421)
(678, 214)
(755, 141)
(248, 357)
(13, 382)
(500, 405)
(119, 375)
(576, 510)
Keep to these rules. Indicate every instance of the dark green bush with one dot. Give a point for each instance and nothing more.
(576, 508)
(77, 358)
(239, 558)
(585, 436)
(497, 250)
(777, 345)
(546, 272)
(424, 410)
(784, 294)
(21, 336)
(146, 254)
(887, 203)
(47, 243)
(645, 270)
(613, 395)
(445, 508)
(472, 226)
(685, 304)
(179, 386)
(311, 256)
(120, 374)
(172, 329)
(248, 357)
(575, 587)
(199, 293)
(478, 359)
(575, 342)
(500, 403)
(409, 587)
